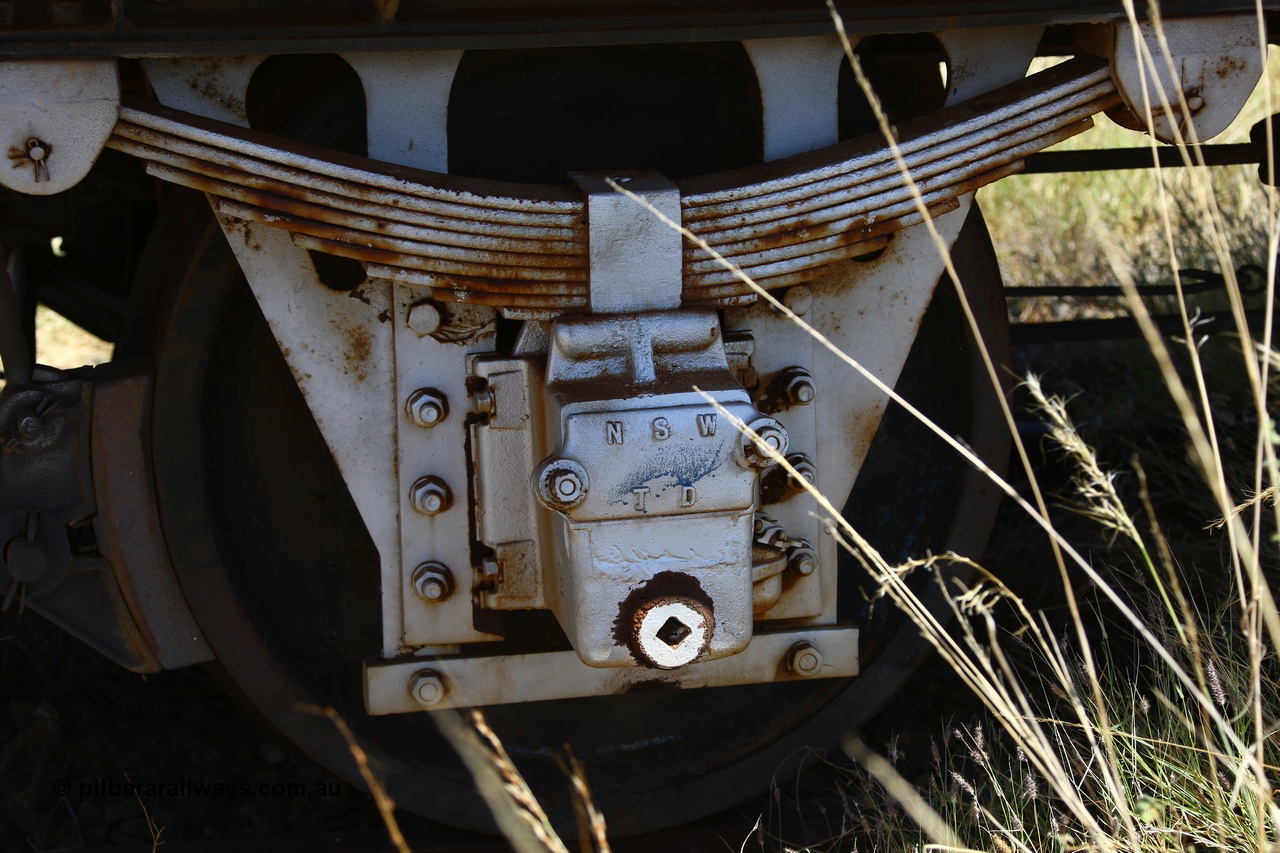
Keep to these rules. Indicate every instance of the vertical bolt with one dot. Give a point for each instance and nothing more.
(430, 495)
(427, 407)
(801, 559)
(804, 660)
(432, 582)
(796, 386)
(427, 687)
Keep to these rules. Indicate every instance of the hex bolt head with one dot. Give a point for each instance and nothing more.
(804, 660)
(803, 466)
(768, 434)
(430, 495)
(432, 582)
(796, 386)
(803, 560)
(427, 407)
(428, 688)
(561, 484)
(423, 318)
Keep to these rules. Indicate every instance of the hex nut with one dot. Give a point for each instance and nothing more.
(779, 484)
(562, 484)
(432, 582)
(768, 434)
(430, 495)
(802, 559)
(427, 407)
(428, 688)
(797, 387)
(423, 319)
(804, 660)
(802, 465)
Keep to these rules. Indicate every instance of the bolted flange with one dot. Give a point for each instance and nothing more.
(769, 435)
(430, 495)
(432, 582)
(561, 484)
(804, 660)
(428, 688)
(427, 407)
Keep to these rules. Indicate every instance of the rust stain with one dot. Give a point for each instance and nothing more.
(357, 349)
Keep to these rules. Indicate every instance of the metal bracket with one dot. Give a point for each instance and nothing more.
(404, 686)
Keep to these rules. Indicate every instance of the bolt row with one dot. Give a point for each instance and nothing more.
(429, 687)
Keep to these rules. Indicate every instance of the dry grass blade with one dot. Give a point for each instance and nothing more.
(902, 791)
(386, 806)
(592, 832)
(514, 807)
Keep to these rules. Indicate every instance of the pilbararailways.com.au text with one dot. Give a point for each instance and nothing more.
(203, 788)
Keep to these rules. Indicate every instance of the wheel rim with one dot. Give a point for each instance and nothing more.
(285, 586)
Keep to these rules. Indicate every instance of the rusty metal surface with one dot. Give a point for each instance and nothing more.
(127, 523)
(523, 247)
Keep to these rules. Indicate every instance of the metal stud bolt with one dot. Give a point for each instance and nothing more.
(428, 688)
(430, 495)
(796, 386)
(804, 660)
(432, 582)
(427, 407)
(802, 560)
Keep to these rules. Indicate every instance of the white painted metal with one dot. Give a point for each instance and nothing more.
(1216, 62)
(669, 489)
(210, 86)
(426, 361)
(340, 350)
(692, 634)
(799, 83)
(980, 60)
(55, 118)
(480, 681)
(634, 257)
(407, 104)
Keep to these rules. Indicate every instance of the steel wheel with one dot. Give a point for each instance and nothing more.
(283, 580)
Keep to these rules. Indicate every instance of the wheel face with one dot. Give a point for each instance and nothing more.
(284, 581)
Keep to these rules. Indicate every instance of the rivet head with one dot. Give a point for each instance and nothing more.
(430, 495)
(799, 299)
(428, 688)
(804, 660)
(427, 407)
(562, 484)
(432, 582)
(423, 318)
